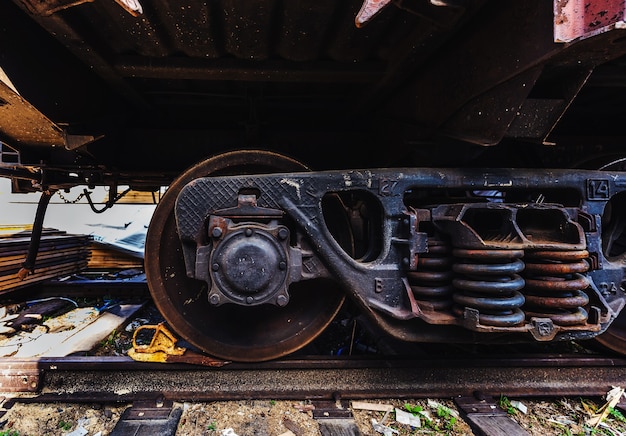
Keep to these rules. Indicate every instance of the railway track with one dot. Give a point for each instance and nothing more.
(326, 383)
(88, 379)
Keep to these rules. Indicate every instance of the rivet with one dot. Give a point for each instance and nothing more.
(215, 266)
(282, 266)
(249, 300)
(248, 232)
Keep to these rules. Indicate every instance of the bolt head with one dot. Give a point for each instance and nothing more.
(282, 300)
(249, 300)
(216, 232)
(248, 232)
(214, 299)
(283, 233)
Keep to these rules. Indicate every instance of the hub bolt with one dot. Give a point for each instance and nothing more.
(282, 300)
(283, 233)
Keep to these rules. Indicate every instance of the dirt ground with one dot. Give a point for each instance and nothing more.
(564, 416)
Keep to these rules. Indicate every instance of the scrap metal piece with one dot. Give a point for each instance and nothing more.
(162, 345)
(163, 349)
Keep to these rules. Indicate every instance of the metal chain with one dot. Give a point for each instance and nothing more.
(76, 200)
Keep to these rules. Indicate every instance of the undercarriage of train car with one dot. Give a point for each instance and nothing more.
(254, 267)
(401, 164)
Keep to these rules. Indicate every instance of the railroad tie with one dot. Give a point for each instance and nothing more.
(486, 418)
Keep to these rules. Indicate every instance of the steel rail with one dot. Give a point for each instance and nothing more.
(119, 379)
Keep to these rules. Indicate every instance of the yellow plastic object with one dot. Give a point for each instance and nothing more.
(162, 345)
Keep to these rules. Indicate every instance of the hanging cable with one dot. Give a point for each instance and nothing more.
(35, 239)
(108, 205)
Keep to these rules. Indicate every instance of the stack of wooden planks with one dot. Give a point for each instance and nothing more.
(105, 257)
(59, 253)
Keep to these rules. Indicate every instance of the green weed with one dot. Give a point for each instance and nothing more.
(505, 404)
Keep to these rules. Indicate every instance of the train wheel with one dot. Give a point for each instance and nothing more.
(231, 332)
(614, 338)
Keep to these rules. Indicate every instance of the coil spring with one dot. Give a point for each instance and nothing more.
(489, 281)
(432, 282)
(555, 286)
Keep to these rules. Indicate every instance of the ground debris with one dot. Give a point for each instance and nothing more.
(383, 429)
(59, 419)
(564, 416)
(519, 406)
(258, 417)
(612, 398)
(374, 407)
(78, 330)
(407, 418)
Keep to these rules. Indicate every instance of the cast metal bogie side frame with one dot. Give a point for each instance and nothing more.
(514, 260)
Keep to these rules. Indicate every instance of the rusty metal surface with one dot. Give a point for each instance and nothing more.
(20, 378)
(23, 123)
(79, 379)
(575, 19)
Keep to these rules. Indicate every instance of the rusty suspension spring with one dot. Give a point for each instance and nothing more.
(432, 282)
(489, 282)
(555, 286)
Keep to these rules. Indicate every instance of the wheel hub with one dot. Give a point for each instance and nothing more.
(251, 265)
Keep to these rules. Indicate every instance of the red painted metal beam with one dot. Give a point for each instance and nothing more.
(580, 19)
